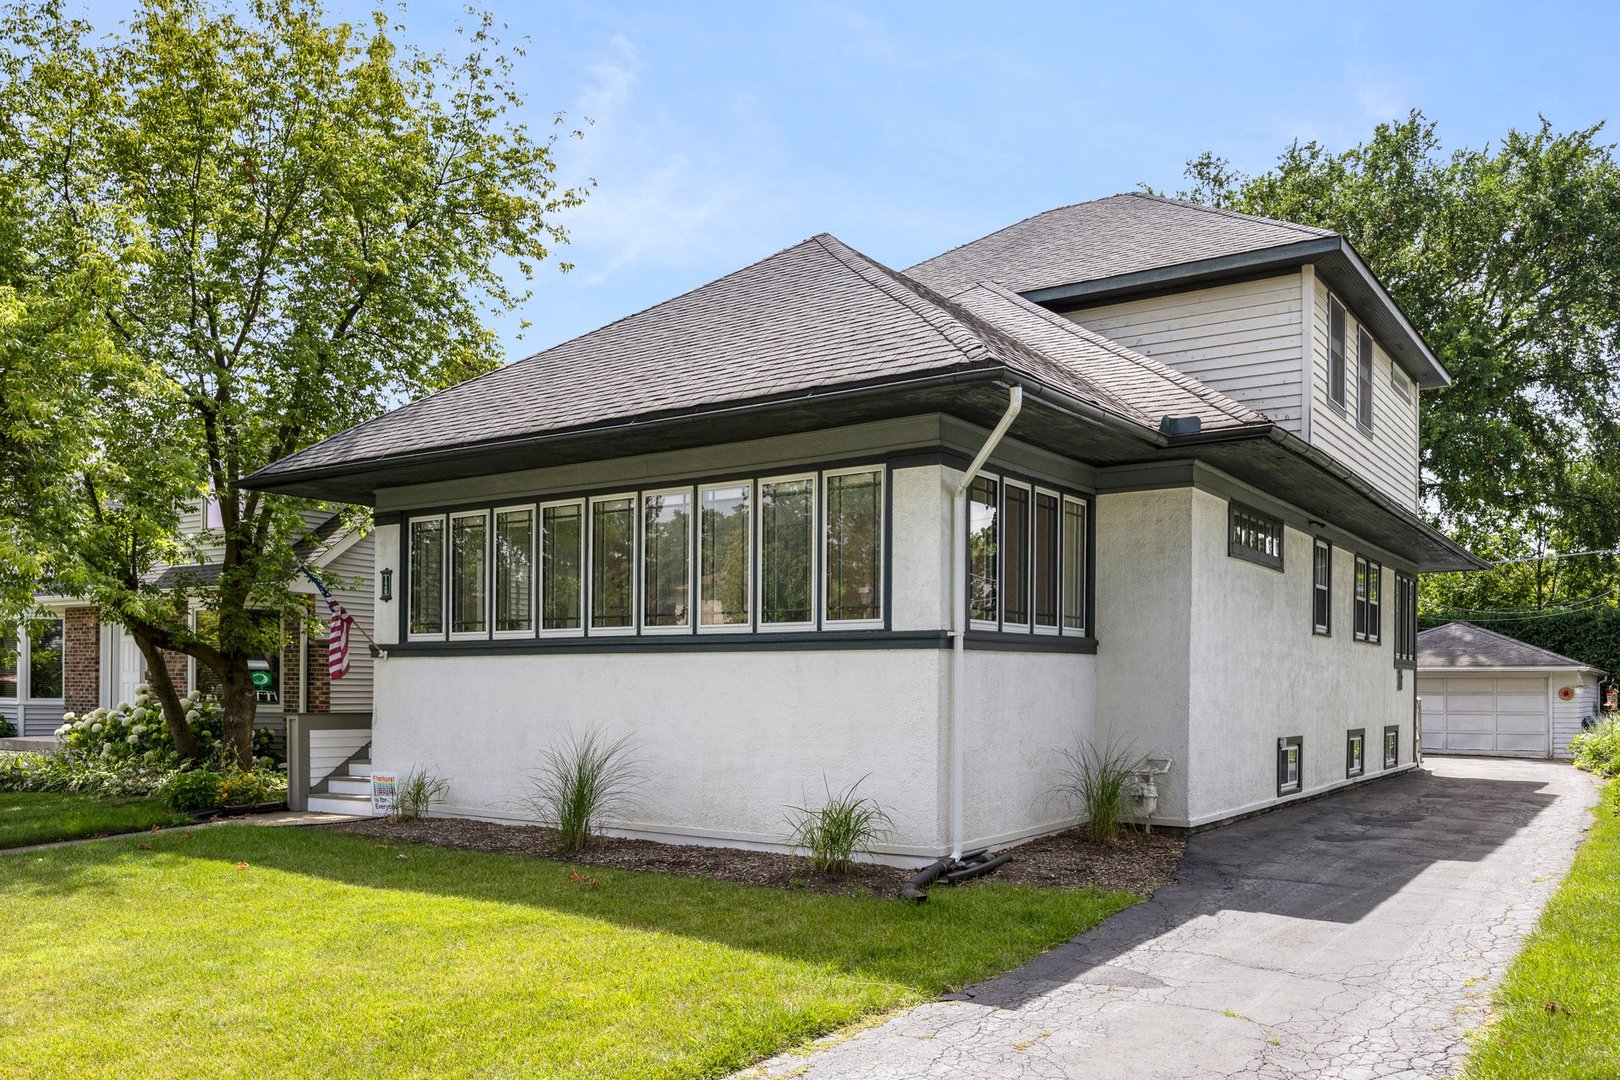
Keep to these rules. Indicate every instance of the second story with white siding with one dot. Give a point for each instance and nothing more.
(1283, 318)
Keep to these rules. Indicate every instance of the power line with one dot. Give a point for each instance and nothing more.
(1554, 555)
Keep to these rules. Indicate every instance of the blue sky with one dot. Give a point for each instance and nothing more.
(724, 132)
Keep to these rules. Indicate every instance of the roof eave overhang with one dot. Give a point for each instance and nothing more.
(1336, 262)
(1486, 669)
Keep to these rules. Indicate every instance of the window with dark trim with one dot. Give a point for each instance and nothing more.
(1047, 545)
(1336, 349)
(1254, 536)
(1364, 379)
(1392, 746)
(984, 550)
(1355, 752)
(1321, 587)
(1290, 764)
(1026, 558)
(1369, 608)
(1015, 555)
(1406, 610)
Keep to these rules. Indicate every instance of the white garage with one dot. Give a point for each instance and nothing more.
(1487, 693)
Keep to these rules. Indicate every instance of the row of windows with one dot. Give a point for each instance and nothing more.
(43, 666)
(1026, 550)
(735, 556)
(1291, 757)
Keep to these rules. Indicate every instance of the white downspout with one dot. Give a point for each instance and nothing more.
(959, 618)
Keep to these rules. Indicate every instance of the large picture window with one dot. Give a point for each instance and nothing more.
(984, 550)
(1369, 608)
(1321, 587)
(469, 574)
(666, 586)
(514, 572)
(854, 547)
(45, 637)
(725, 546)
(562, 567)
(787, 552)
(426, 601)
(613, 564)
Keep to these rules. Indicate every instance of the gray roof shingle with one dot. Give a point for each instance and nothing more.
(1464, 645)
(1105, 238)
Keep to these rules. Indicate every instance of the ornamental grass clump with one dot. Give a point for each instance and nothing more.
(417, 793)
(1098, 783)
(581, 782)
(846, 825)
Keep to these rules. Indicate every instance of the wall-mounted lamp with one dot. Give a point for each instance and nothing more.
(387, 584)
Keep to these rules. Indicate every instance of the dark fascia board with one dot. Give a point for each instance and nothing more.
(1341, 268)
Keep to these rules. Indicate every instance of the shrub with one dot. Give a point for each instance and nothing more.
(1097, 782)
(53, 772)
(252, 788)
(1598, 749)
(845, 825)
(193, 790)
(417, 793)
(135, 731)
(581, 781)
(8, 730)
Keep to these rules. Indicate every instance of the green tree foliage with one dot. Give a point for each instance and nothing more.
(277, 226)
(1507, 260)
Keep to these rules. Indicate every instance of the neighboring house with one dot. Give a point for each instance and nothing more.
(65, 659)
(1487, 693)
(727, 526)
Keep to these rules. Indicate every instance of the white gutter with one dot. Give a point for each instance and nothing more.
(1015, 402)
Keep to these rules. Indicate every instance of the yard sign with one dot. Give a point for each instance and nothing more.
(382, 793)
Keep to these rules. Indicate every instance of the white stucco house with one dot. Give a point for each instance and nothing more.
(1487, 693)
(1132, 470)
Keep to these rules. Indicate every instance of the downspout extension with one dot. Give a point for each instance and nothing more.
(1015, 402)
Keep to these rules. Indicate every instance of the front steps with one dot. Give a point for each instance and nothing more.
(347, 791)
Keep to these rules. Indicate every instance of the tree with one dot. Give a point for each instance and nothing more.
(1507, 260)
(281, 225)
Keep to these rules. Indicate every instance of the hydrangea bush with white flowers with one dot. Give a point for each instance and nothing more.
(134, 732)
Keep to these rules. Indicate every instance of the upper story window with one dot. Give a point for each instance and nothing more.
(1321, 587)
(1364, 379)
(1369, 608)
(734, 556)
(1026, 554)
(1406, 612)
(1254, 536)
(1398, 380)
(1336, 351)
(212, 518)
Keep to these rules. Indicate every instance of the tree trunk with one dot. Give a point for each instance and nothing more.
(241, 703)
(174, 715)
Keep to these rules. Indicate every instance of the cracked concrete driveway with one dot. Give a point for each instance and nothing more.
(1355, 936)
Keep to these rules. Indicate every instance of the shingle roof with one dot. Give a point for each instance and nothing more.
(814, 316)
(1105, 238)
(1464, 645)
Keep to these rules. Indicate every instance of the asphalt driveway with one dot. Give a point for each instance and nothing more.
(1355, 936)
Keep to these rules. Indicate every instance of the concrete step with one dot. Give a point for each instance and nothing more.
(360, 768)
(341, 804)
(349, 785)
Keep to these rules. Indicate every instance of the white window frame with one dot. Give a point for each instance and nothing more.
(1057, 562)
(1344, 353)
(697, 559)
(691, 560)
(882, 471)
(534, 572)
(588, 615)
(449, 577)
(967, 562)
(1365, 398)
(444, 576)
(1029, 557)
(1084, 629)
(816, 540)
(1322, 629)
(584, 569)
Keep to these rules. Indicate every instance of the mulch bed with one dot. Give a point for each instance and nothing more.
(1137, 863)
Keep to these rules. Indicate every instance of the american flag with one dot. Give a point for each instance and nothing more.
(337, 640)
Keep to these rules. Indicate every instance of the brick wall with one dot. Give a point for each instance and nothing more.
(320, 683)
(81, 660)
(179, 671)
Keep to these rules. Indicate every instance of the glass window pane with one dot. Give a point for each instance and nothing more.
(855, 546)
(1015, 556)
(1336, 350)
(984, 544)
(427, 576)
(1046, 560)
(469, 584)
(1074, 565)
(10, 653)
(562, 560)
(787, 525)
(666, 555)
(724, 555)
(613, 553)
(514, 571)
(45, 658)
(1364, 380)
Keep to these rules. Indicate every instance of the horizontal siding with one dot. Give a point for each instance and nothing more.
(40, 719)
(1388, 457)
(1566, 718)
(1242, 339)
(352, 693)
(8, 711)
(329, 749)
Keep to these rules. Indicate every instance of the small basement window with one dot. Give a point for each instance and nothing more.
(1254, 536)
(1290, 764)
(1392, 746)
(1355, 752)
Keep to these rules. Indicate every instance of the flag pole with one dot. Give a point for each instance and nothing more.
(376, 650)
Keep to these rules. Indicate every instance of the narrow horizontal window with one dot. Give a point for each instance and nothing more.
(514, 571)
(666, 553)
(1015, 555)
(1047, 545)
(787, 552)
(1322, 587)
(562, 567)
(854, 546)
(725, 550)
(426, 568)
(1253, 536)
(984, 550)
(1074, 566)
(613, 564)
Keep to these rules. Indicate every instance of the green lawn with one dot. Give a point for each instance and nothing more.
(41, 817)
(245, 951)
(1559, 1007)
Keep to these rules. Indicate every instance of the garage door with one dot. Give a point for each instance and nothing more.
(1479, 714)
